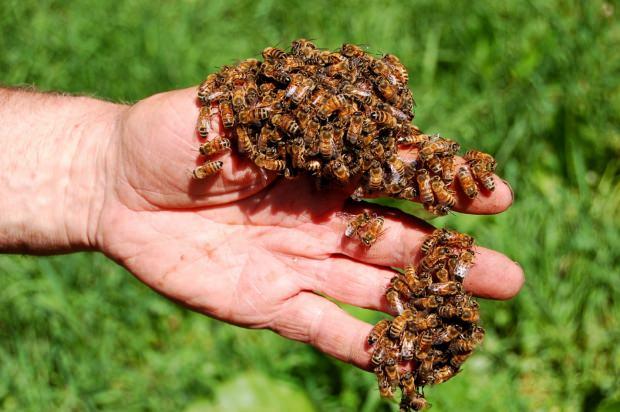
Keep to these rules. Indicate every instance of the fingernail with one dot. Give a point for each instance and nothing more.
(512, 193)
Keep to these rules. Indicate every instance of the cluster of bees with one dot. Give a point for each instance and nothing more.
(340, 116)
(435, 329)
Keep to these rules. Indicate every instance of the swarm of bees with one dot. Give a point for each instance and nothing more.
(435, 329)
(340, 116)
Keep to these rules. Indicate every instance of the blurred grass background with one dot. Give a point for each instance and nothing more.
(535, 83)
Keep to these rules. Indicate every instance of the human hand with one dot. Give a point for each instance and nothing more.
(253, 249)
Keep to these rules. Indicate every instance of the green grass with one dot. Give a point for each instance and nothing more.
(535, 83)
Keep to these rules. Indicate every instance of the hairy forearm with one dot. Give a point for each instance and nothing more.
(52, 169)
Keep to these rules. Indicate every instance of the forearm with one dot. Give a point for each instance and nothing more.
(52, 169)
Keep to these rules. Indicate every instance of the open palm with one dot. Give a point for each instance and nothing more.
(253, 249)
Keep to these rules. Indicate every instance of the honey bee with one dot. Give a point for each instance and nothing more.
(340, 69)
(388, 91)
(447, 169)
(298, 160)
(358, 221)
(269, 164)
(448, 334)
(416, 403)
(399, 323)
(461, 345)
(227, 114)
(373, 231)
(313, 166)
(407, 345)
(318, 97)
(263, 139)
(299, 44)
(453, 238)
(425, 370)
(361, 95)
(399, 69)
(433, 260)
(397, 166)
(249, 65)
(334, 103)
(470, 315)
(483, 175)
(380, 68)
(207, 169)
(430, 242)
(204, 121)
(275, 73)
(477, 156)
(377, 150)
(477, 335)
(443, 374)
(467, 183)
(355, 127)
(238, 98)
(244, 144)
(208, 87)
(299, 88)
(340, 171)
(429, 302)
(338, 138)
(385, 119)
(293, 63)
(434, 164)
(465, 261)
(378, 355)
(326, 142)
(391, 372)
(408, 385)
(237, 78)
(219, 144)
(401, 287)
(395, 186)
(385, 388)
(445, 288)
(286, 123)
(412, 281)
(438, 209)
(424, 185)
(267, 88)
(459, 358)
(333, 57)
(409, 193)
(311, 131)
(448, 311)
(423, 322)
(273, 53)
(400, 115)
(352, 50)
(251, 93)
(410, 134)
(442, 275)
(375, 176)
(438, 146)
(378, 331)
(425, 342)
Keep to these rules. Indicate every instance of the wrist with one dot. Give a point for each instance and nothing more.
(88, 172)
(52, 177)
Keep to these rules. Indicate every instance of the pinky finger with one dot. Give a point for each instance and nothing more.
(312, 319)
